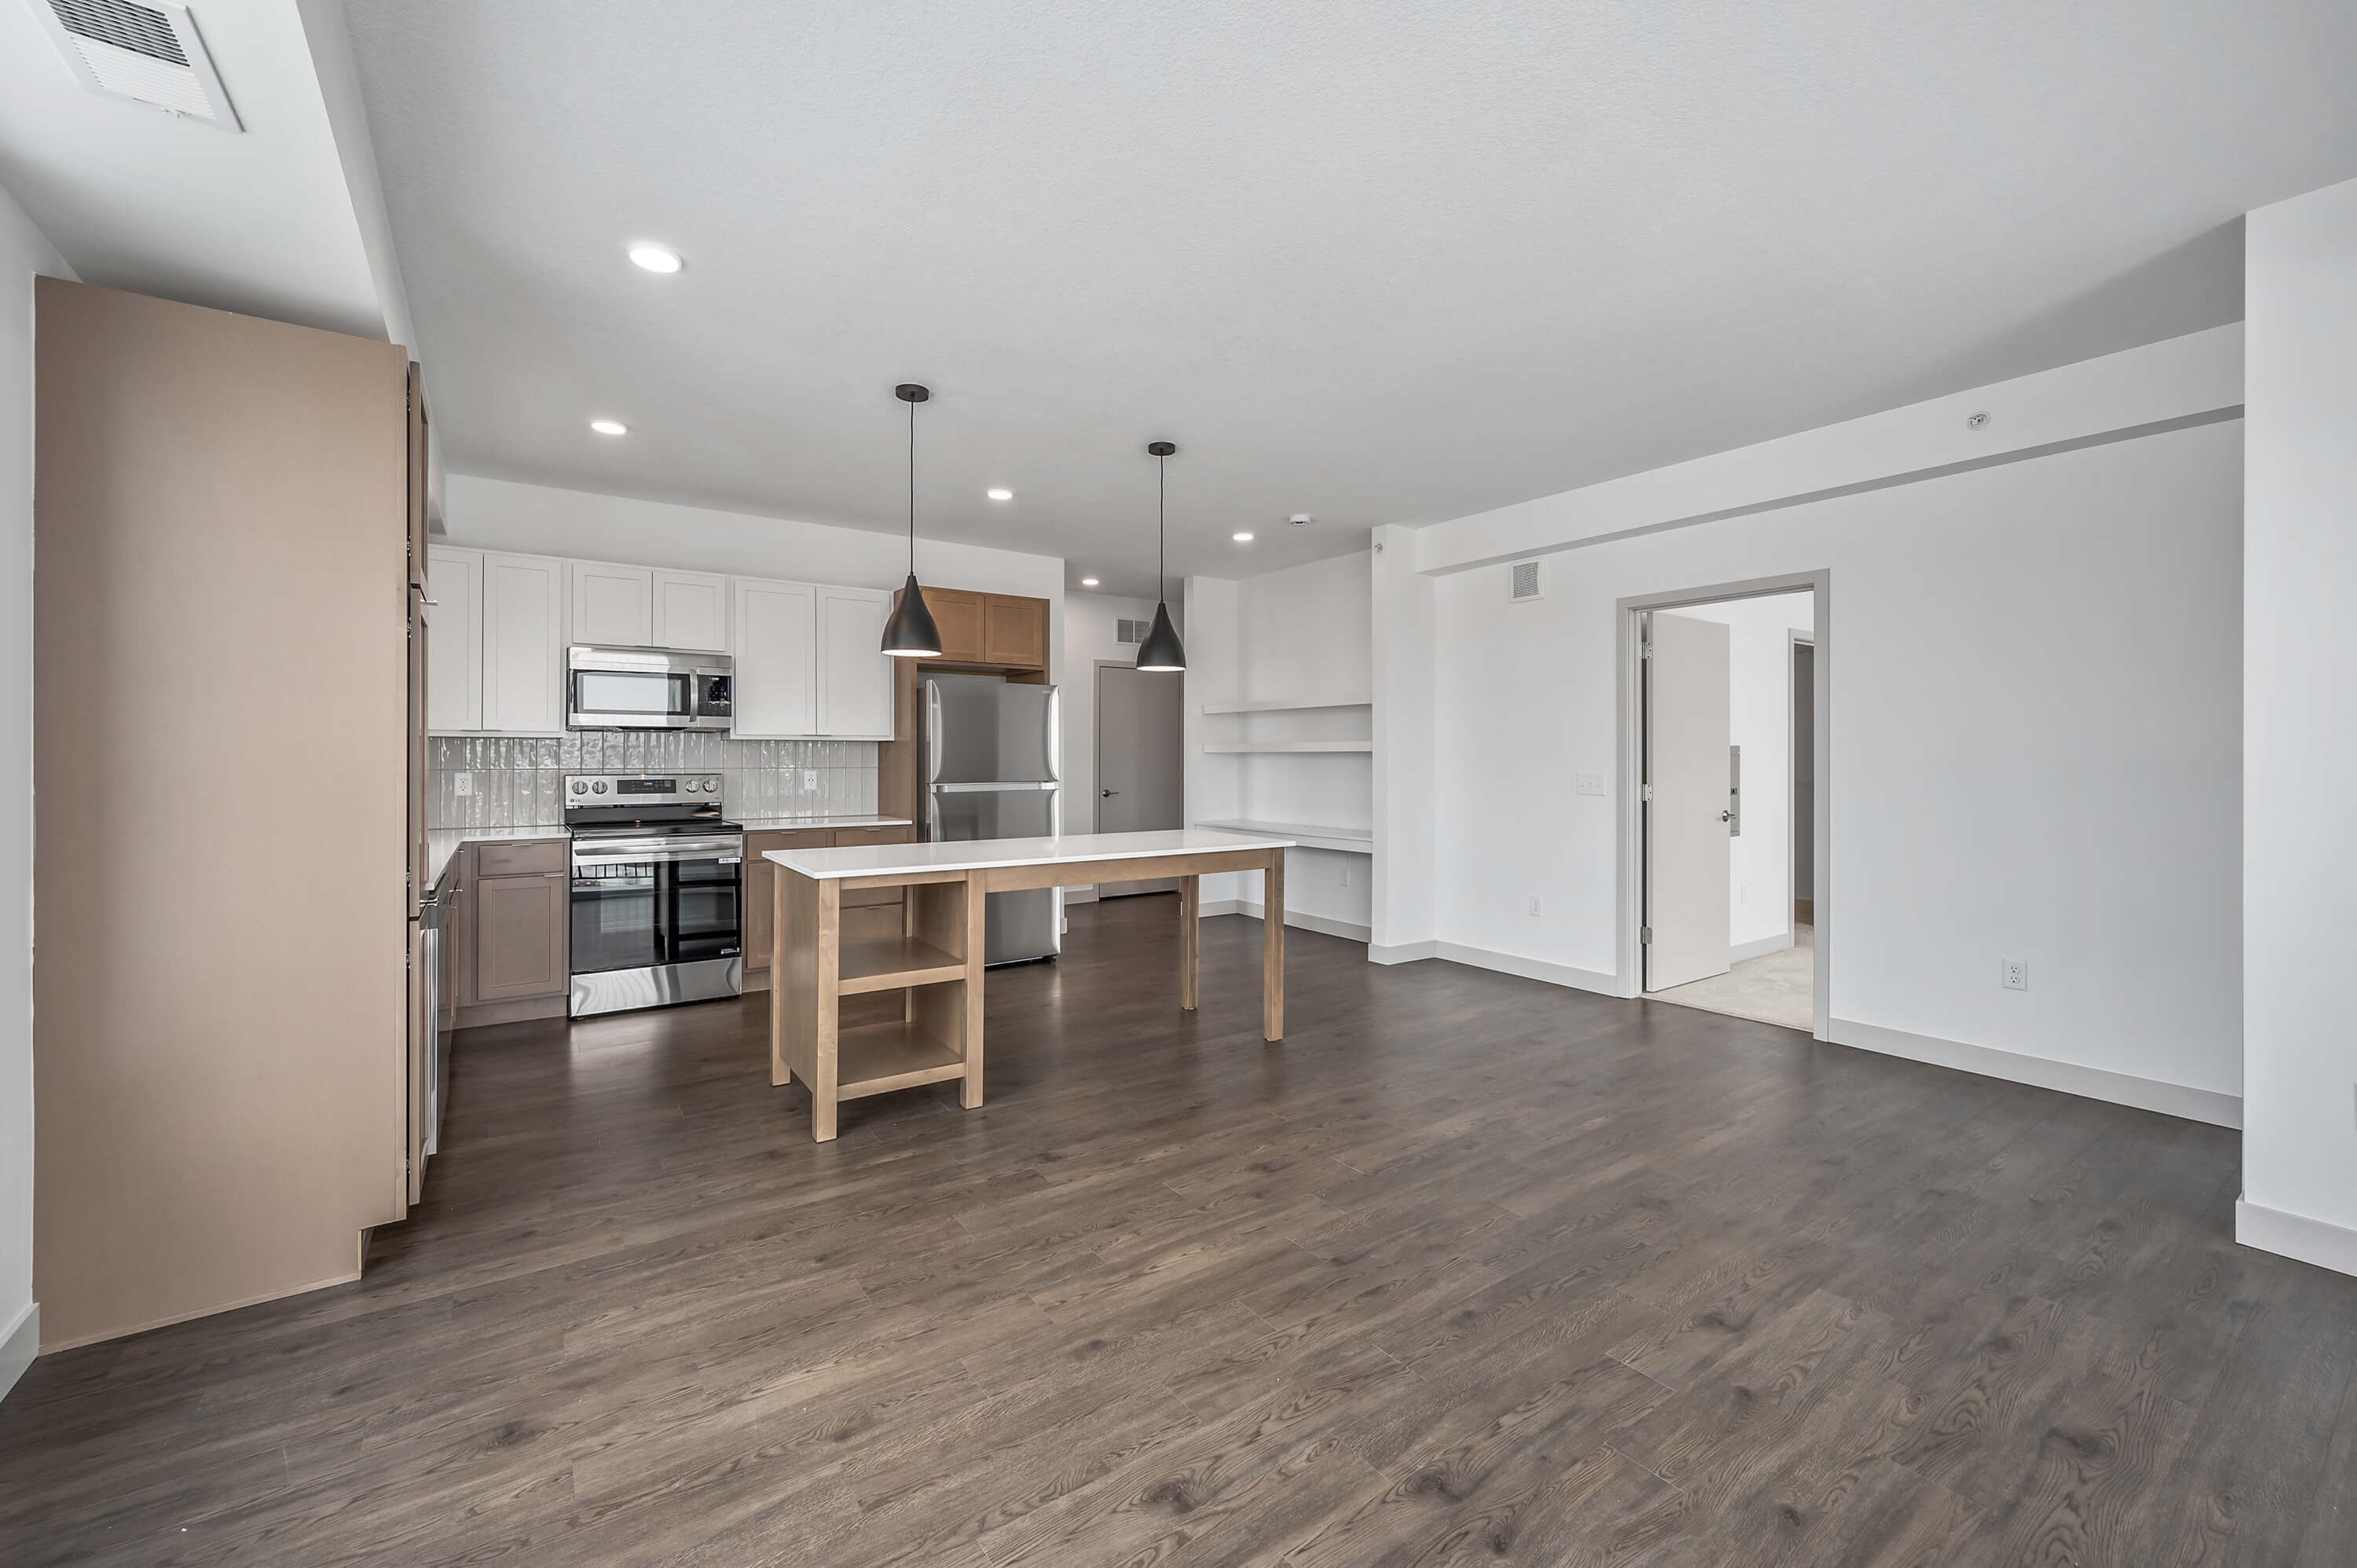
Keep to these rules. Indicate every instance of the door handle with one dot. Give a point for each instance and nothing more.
(1108, 794)
(1726, 816)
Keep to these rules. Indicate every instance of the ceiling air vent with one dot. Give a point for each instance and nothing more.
(1129, 630)
(1523, 580)
(148, 53)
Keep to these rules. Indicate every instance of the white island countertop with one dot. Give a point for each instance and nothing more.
(983, 854)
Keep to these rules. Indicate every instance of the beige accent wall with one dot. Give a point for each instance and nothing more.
(219, 771)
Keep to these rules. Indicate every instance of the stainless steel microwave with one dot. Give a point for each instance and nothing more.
(647, 687)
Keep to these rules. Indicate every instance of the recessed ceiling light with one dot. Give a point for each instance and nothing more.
(1242, 538)
(1088, 582)
(998, 495)
(609, 427)
(655, 259)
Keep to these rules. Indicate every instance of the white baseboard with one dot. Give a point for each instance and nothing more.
(1402, 953)
(2318, 1241)
(1759, 948)
(19, 1346)
(2089, 1083)
(1343, 928)
(1529, 968)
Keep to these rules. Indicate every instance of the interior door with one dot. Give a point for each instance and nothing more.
(1687, 858)
(1138, 745)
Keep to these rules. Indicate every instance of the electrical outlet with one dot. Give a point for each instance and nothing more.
(2017, 974)
(462, 784)
(1590, 783)
(1346, 875)
(810, 778)
(1535, 903)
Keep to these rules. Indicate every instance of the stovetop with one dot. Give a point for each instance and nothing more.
(643, 805)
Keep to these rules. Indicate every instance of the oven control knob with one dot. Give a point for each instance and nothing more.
(599, 786)
(712, 786)
(580, 788)
(695, 784)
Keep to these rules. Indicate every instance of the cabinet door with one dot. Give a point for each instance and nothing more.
(613, 606)
(523, 645)
(761, 887)
(691, 611)
(454, 640)
(520, 936)
(958, 616)
(776, 625)
(419, 545)
(1015, 631)
(855, 678)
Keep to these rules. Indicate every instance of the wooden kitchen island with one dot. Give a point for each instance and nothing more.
(936, 961)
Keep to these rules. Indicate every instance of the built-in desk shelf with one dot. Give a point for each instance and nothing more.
(1284, 705)
(1268, 747)
(894, 963)
(875, 1058)
(1307, 835)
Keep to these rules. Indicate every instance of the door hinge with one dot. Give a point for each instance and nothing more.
(1644, 650)
(1645, 935)
(1646, 792)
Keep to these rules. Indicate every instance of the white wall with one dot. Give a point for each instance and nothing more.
(22, 252)
(1759, 720)
(1088, 637)
(2034, 672)
(2299, 736)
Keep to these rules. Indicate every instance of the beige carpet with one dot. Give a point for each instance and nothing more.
(1777, 988)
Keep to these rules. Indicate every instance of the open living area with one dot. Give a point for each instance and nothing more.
(1026, 787)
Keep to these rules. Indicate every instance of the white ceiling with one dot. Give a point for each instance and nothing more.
(1383, 262)
(260, 222)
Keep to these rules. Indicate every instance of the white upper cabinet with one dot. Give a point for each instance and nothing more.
(613, 606)
(855, 678)
(453, 638)
(691, 611)
(776, 660)
(523, 644)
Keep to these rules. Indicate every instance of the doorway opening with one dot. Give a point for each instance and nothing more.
(1730, 823)
(1140, 779)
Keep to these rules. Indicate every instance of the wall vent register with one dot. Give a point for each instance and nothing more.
(1523, 582)
(150, 54)
(1130, 632)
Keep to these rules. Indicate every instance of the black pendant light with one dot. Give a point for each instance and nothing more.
(1161, 649)
(910, 633)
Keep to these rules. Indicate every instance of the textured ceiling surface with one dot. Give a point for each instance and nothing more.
(1383, 262)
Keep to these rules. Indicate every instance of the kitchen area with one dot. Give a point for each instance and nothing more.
(614, 748)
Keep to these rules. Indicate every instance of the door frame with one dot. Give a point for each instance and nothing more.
(1629, 623)
(1793, 643)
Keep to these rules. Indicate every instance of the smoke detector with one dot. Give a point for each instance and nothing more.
(149, 53)
(1299, 520)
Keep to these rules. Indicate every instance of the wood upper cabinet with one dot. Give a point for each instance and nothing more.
(855, 678)
(520, 930)
(523, 644)
(453, 638)
(691, 610)
(777, 651)
(1015, 631)
(612, 606)
(958, 614)
(1003, 629)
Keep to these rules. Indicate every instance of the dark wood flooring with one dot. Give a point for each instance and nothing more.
(1469, 1269)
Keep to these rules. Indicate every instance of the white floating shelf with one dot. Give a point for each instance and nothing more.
(1350, 841)
(1264, 745)
(1284, 705)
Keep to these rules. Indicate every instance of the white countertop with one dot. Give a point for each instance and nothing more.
(977, 855)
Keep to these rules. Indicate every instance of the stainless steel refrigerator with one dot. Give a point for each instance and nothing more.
(990, 751)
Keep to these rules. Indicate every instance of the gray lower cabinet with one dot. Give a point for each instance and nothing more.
(520, 936)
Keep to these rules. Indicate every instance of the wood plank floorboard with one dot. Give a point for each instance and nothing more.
(1467, 1269)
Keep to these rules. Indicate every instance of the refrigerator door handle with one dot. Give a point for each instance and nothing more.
(933, 732)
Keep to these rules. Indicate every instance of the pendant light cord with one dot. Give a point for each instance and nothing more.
(1161, 490)
(912, 490)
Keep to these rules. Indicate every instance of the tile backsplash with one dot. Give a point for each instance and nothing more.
(516, 782)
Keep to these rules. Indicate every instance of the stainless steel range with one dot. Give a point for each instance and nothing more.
(658, 891)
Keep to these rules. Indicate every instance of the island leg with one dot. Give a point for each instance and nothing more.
(1191, 942)
(1272, 949)
(970, 1089)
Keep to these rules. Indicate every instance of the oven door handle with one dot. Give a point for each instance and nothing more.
(664, 852)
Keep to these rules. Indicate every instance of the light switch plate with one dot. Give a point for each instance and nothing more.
(1591, 784)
